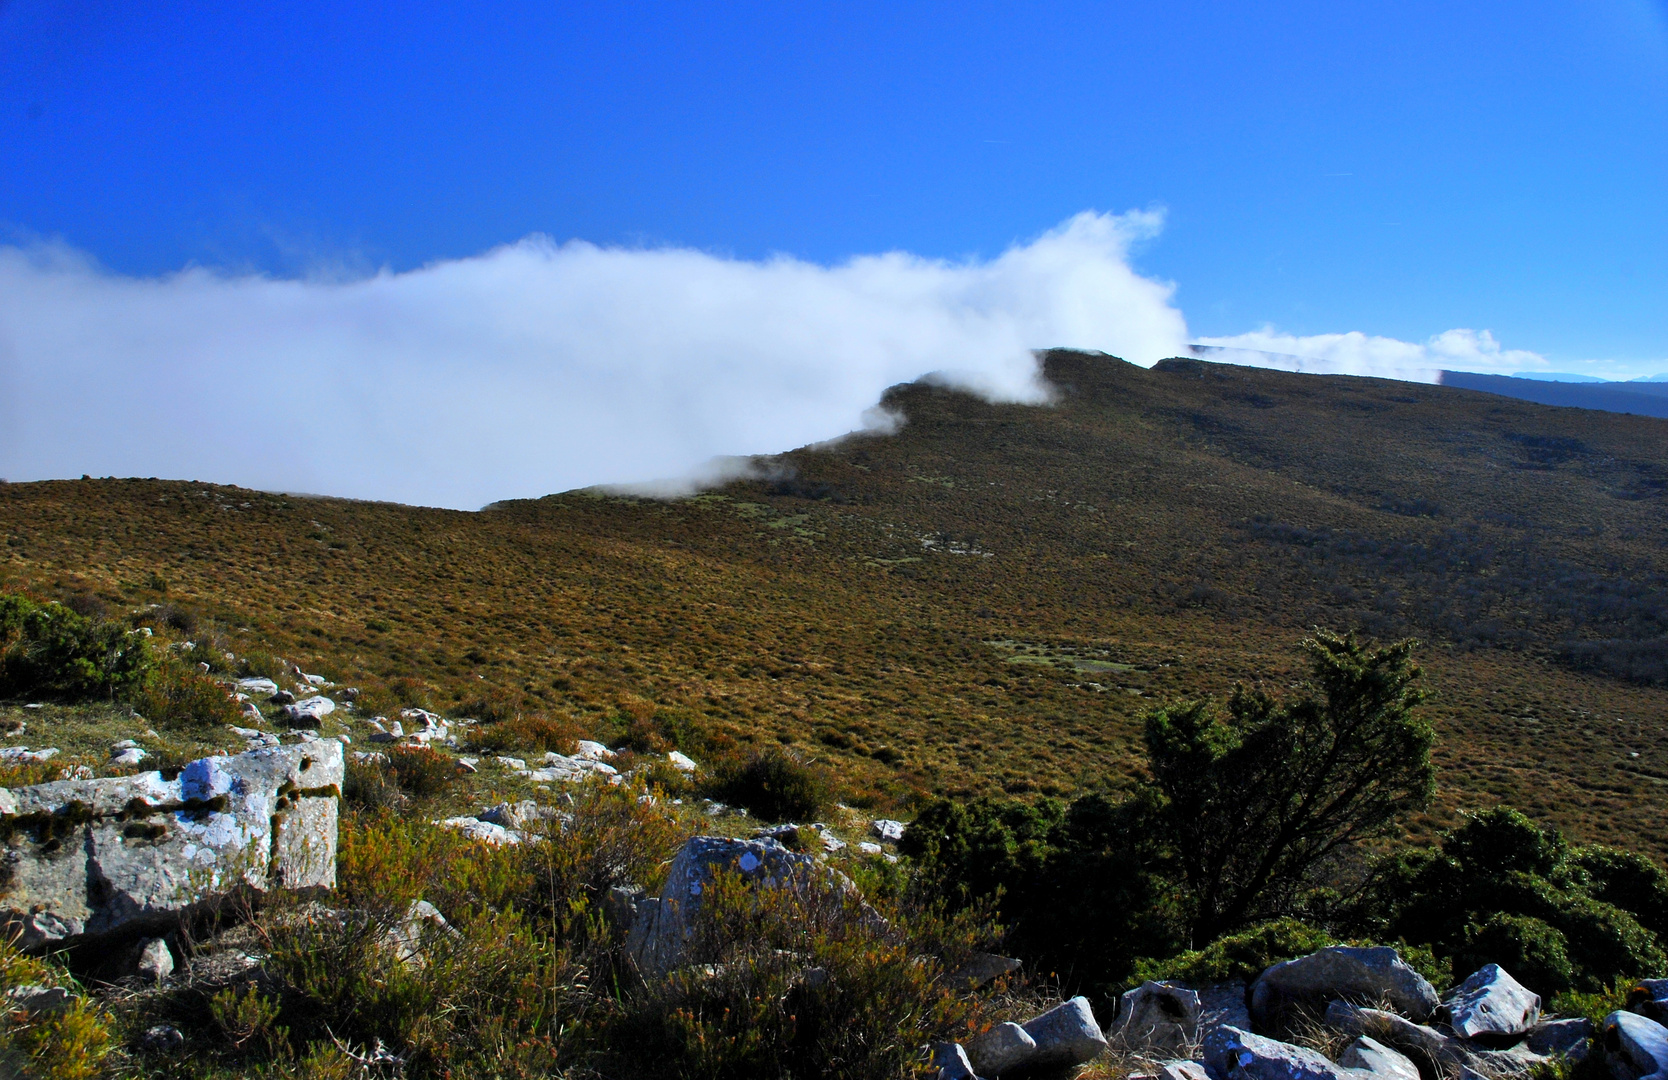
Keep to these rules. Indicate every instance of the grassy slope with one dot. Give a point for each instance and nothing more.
(989, 599)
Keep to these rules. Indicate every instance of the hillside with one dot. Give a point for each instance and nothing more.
(989, 599)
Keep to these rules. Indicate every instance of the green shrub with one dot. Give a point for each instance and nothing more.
(1628, 880)
(773, 785)
(179, 697)
(67, 1045)
(420, 772)
(47, 650)
(526, 732)
(1536, 954)
(1242, 956)
(802, 982)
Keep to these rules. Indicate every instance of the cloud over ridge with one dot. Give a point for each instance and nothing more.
(532, 368)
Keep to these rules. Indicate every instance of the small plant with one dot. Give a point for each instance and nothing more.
(774, 785)
(528, 732)
(420, 772)
(178, 697)
(70, 1044)
(49, 650)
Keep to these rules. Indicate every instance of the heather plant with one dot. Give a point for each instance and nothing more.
(175, 696)
(67, 1044)
(48, 650)
(772, 784)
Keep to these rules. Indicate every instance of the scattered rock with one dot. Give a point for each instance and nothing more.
(163, 1040)
(38, 999)
(1636, 1047)
(484, 832)
(258, 686)
(1182, 1070)
(13, 755)
(251, 710)
(1156, 1019)
(517, 815)
(1221, 1004)
(951, 1062)
(869, 848)
(370, 757)
(1374, 1057)
(314, 708)
(1491, 1006)
(1570, 1038)
(1003, 1048)
(282, 697)
(422, 919)
(1240, 1055)
(681, 762)
(569, 770)
(593, 751)
(1339, 972)
(1065, 1035)
(314, 680)
(91, 857)
(155, 961)
(982, 968)
(469, 765)
(1649, 997)
(887, 830)
(513, 763)
(132, 755)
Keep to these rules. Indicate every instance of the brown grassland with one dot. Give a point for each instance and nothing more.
(989, 599)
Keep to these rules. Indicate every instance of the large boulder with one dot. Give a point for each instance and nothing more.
(1491, 1007)
(1569, 1038)
(1065, 1035)
(1635, 1047)
(1156, 1020)
(1649, 997)
(663, 935)
(1363, 976)
(1436, 1053)
(128, 855)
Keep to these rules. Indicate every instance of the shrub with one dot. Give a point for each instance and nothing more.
(178, 697)
(420, 772)
(1536, 954)
(803, 983)
(67, 1045)
(49, 650)
(260, 664)
(527, 732)
(773, 785)
(1242, 956)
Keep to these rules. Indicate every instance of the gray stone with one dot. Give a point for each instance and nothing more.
(163, 1040)
(1339, 972)
(592, 751)
(1570, 1038)
(87, 858)
(1241, 1055)
(1491, 1005)
(620, 906)
(951, 1062)
(131, 755)
(405, 938)
(1183, 1070)
(1221, 1005)
(155, 961)
(981, 968)
(662, 938)
(282, 697)
(1635, 1047)
(517, 815)
(482, 832)
(1066, 1035)
(682, 762)
(1005, 1047)
(1649, 997)
(314, 708)
(37, 999)
(258, 686)
(1156, 1020)
(1435, 1053)
(887, 830)
(1372, 1056)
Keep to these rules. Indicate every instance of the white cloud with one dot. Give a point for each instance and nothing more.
(533, 368)
(1357, 354)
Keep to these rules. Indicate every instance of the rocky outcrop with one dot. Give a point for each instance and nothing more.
(1341, 972)
(122, 855)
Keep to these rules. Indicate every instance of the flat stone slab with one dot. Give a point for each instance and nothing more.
(80, 859)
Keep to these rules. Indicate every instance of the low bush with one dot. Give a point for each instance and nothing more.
(1242, 956)
(527, 733)
(47, 650)
(178, 697)
(420, 772)
(773, 785)
(71, 1044)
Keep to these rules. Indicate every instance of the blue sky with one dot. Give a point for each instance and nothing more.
(1395, 170)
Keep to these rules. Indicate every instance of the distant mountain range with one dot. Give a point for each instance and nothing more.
(1643, 398)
